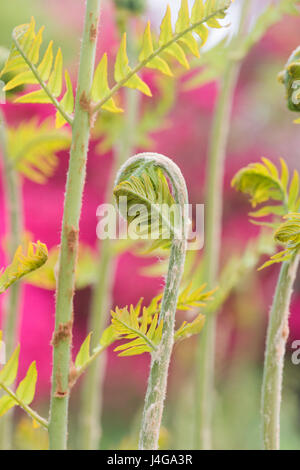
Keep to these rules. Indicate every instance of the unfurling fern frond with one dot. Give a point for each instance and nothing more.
(145, 200)
(262, 182)
(155, 56)
(86, 270)
(28, 68)
(33, 147)
(23, 263)
(288, 234)
(144, 329)
(290, 77)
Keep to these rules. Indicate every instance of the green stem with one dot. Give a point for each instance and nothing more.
(91, 403)
(278, 332)
(33, 414)
(62, 338)
(213, 223)
(90, 422)
(206, 344)
(13, 197)
(157, 383)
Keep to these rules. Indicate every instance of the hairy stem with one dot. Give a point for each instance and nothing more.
(213, 222)
(13, 197)
(157, 383)
(278, 332)
(62, 338)
(90, 426)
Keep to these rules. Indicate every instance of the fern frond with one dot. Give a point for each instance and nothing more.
(33, 147)
(188, 329)
(23, 263)
(262, 182)
(128, 325)
(154, 56)
(24, 61)
(86, 271)
(189, 298)
(290, 78)
(25, 391)
(288, 234)
(213, 62)
(145, 199)
(144, 329)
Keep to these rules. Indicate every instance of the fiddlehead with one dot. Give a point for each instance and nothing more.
(290, 78)
(137, 166)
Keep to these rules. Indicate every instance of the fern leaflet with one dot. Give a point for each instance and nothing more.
(203, 16)
(262, 182)
(144, 329)
(25, 391)
(23, 263)
(24, 61)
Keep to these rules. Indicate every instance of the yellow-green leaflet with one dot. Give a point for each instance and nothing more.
(28, 68)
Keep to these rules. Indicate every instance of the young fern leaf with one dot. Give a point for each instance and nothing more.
(85, 357)
(24, 61)
(144, 330)
(146, 202)
(203, 16)
(290, 78)
(33, 147)
(288, 234)
(188, 329)
(86, 271)
(262, 182)
(25, 391)
(128, 325)
(23, 263)
(189, 299)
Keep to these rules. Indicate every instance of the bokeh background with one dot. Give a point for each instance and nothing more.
(260, 126)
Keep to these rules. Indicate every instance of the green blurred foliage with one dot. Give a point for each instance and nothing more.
(18, 12)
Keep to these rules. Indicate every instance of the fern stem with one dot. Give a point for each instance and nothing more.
(213, 221)
(91, 402)
(206, 343)
(62, 338)
(102, 298)
(278, 331)
(13, 197)
(90, 422)
(157, 383)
